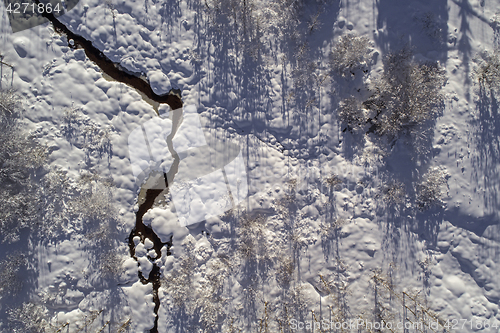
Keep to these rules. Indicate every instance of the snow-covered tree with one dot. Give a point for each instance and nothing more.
(21, 156)
(9, 105)
(111, 264)
(31, 317)
(178, 283)
(95, 198)
(84, 133)
(351, 112)
(431, 190)
(11, 280)
(349, 54)
(487, 70)
(495, 25)
(284, 272)
(406, 94)
(210, 301)
(393, 193)
(252, 241)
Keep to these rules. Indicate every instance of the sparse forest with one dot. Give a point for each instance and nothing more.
(365, 187)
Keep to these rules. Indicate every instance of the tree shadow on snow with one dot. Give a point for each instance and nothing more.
(170, 12)
(486, 160)
(422, 24)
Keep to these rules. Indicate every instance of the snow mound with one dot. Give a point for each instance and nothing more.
(159, 82)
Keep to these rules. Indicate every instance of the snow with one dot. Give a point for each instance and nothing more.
(165, 224)
(278, 142)
(159, 82)
(204, 199)
(140, 300)
(190, 133)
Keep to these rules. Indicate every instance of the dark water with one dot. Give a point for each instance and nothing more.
(119, 74)
(145, 232)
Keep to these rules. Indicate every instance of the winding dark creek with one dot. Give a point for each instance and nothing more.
(149, 195)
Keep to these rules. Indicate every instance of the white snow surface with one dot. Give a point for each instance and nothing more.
(450, 254)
